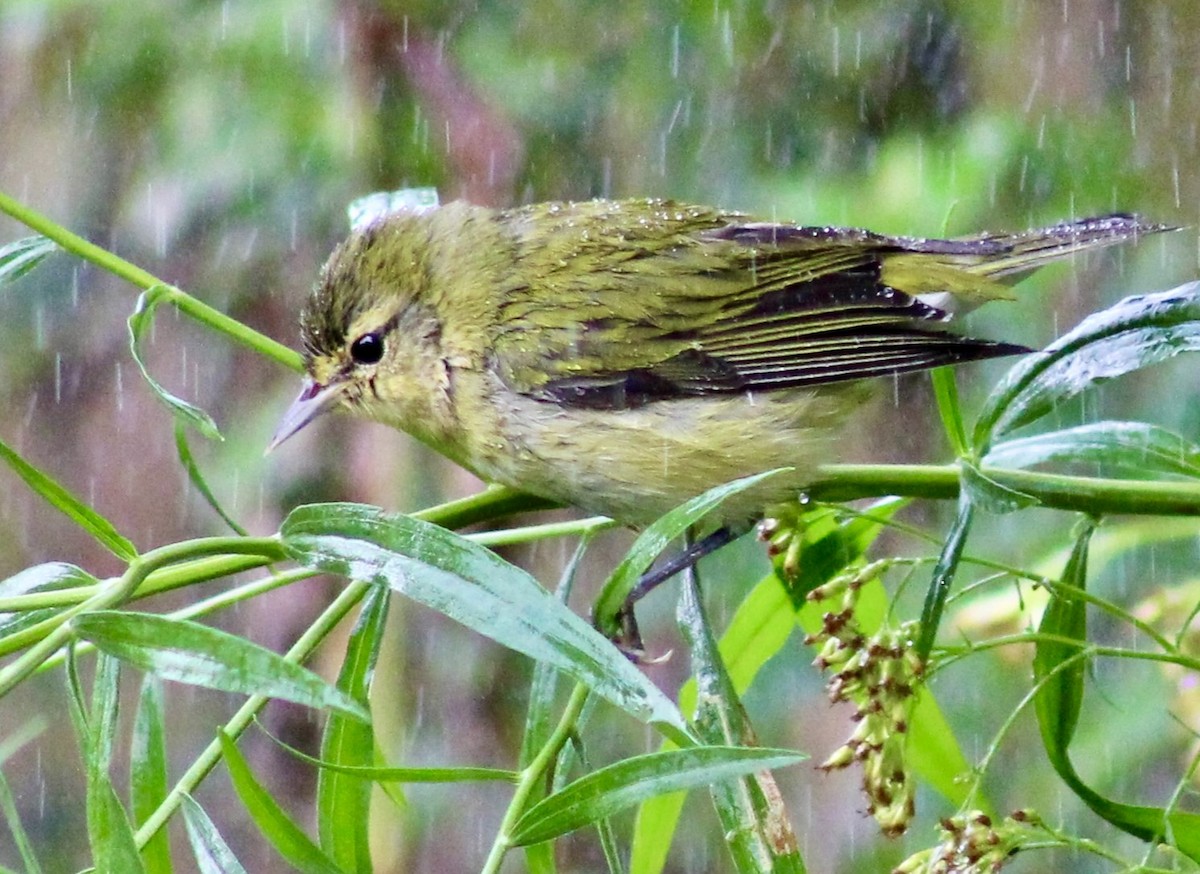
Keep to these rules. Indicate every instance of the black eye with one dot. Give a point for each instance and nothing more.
(367, 349)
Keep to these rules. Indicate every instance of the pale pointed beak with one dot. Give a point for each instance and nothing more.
(314, 400)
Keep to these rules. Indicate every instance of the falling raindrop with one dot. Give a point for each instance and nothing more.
(39, 327)
(675, 52)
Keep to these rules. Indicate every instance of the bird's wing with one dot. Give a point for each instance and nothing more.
(755, 307)
(841, 326)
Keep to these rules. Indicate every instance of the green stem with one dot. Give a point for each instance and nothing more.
(163, 580)
(493, 502)
(532, 533)
(193, 307)
(115, 592)
(1093, 495)
(980, 770)
(207, 760)
(532, 775)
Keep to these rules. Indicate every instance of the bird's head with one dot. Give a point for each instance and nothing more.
(372, 340)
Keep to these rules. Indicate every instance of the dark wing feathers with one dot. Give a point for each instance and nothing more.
(842, 331)
(789, 307)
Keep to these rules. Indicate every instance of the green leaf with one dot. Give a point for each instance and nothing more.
(611, 789)
(1139, 447)
(213, 855)
(8, 806)
(759, 628)
(20, 256)
(540, 722)
(197, 478)
(945, 391)
(651, 543)
(943, 576)
(750, 809)
(188, 652)
(1060, 694)
(284, 835)
(50, 577)
(139, 323)
(1059, 671)
(61, 499)
(543, 687)
(1134, 333)
(343, 800)
(989, 495)
(474, 586)
(109, 831)
(933, 752)
(148, 772)
(376, 773)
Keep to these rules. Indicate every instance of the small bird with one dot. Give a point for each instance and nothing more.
(624, 356)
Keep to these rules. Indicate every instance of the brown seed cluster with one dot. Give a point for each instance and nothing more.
(972, 844)
(877, 674)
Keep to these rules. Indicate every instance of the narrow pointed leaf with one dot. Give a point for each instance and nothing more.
(139, 324)
(1138, 447)
(197, 478)
(343, 799)
(657, 537)
(611, 789)
(288, 839)
(392, 774)
(943, 576)
(188, 652)
(113, 846)
(474, 586)
(109, 831)
(945, 391)
(543, 687)
(148, 772)
(1059, 700)
(759, 628)
(49, 577)
(20, 837)
(1133, 333)
(61, 499)
(758, 833)
(213, 855)
(383, 773)
(20, 256)
(1060, 694)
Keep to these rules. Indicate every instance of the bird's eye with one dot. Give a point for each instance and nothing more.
(367, 349)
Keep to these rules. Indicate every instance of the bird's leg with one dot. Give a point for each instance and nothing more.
(630, 640)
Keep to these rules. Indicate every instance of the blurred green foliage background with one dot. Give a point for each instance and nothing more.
(217, 144)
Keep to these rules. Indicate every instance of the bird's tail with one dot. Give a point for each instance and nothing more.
(1014, 255)
(964, 272)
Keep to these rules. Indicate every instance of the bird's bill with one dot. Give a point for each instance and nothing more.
(314, 400)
